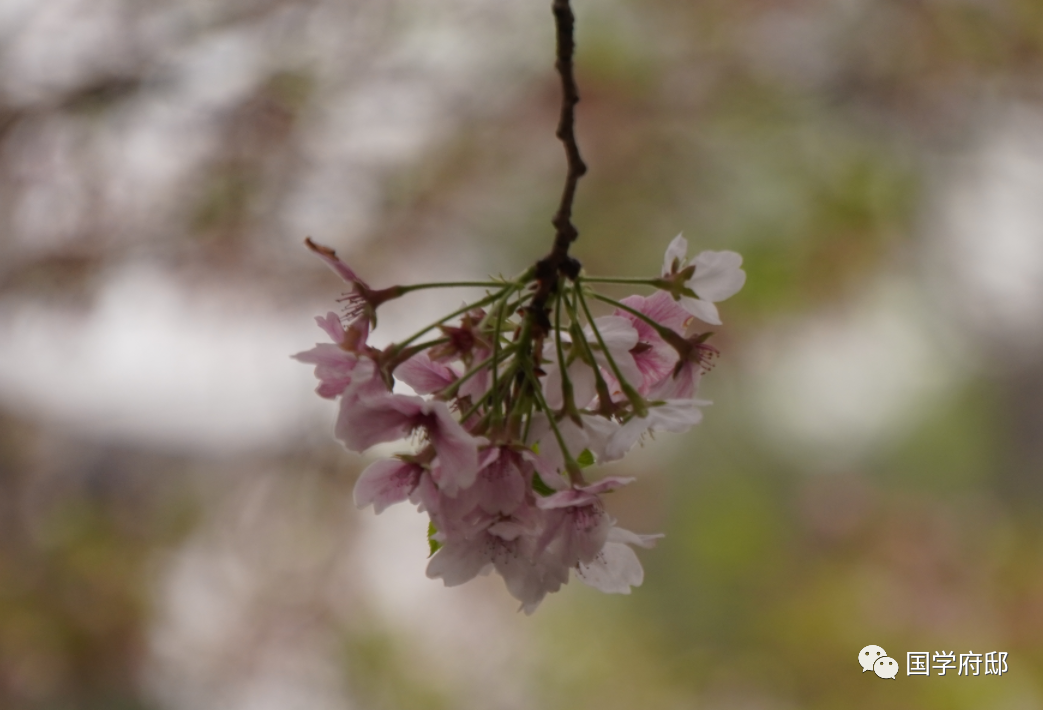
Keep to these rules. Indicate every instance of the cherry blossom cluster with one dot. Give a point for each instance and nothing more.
(512, 406)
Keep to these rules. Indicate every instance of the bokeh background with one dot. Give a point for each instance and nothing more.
(176, 526)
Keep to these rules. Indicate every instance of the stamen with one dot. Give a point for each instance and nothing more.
(354, 306)
(706, 356)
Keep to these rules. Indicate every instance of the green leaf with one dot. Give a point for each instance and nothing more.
(540, 487)
(431, 541)
(585, 459)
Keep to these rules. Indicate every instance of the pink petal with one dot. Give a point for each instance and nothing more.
(458, 561)
(424, 375)
(526, 580)
(478, 384)
(586, 495)
(326, 354)
(365, 421)
(332, 325)
(576, 534)
(655, 363)
(502, 486)
(663, 309)
(334, 262)
(386, 482)
(457, 450)
(681, 386)
(333, 367)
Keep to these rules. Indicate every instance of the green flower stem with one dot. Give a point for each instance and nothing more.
(400, 355)
(522, 279)
(599, 381)
(525, 431)
(503, 354)
(474, 408)
(568, 401)
(635, 399)
(419, 347)
(519, 404)
(481, 400)
(657, 283)
(452, 284)
(501, 310)
(571, 467)
(458, 312)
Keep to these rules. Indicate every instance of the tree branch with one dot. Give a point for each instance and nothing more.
(558, 262)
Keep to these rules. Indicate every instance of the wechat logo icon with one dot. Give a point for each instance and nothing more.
(874, 658)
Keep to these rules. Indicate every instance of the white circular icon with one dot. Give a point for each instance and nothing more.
(868, 656)
(886, 667)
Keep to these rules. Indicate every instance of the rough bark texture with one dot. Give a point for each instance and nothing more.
(558, 263)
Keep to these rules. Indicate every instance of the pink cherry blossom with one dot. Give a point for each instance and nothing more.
(683, 380)
(508, 545)
(335, 363)
(368, 418)
(499, 465)
(577, 524)
(654, 357)
(503, 482)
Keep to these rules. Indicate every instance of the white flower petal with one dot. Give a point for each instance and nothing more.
(552, 383)
(584, 384)
(599, 433)
(631, 538)
(703, 310)
(624, 439)
(627, 368)
(717, 275)
(676, 415)
(575, 437)
(617, 332)
(614, 570)
(678, 250)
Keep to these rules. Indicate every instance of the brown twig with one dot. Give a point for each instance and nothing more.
(558, 262)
